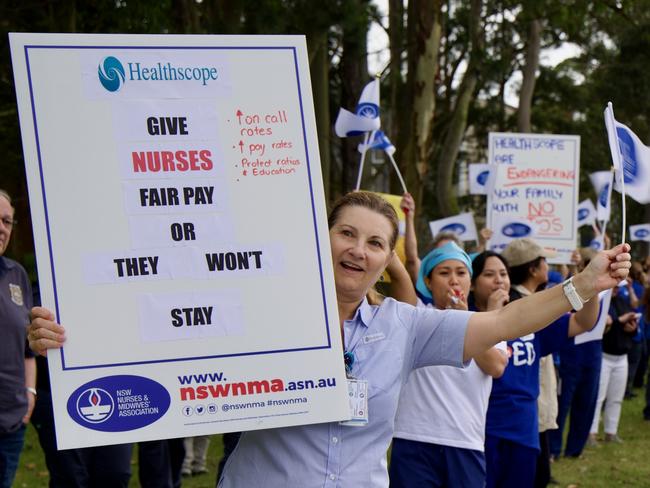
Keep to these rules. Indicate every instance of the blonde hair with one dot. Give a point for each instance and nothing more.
(368, 200)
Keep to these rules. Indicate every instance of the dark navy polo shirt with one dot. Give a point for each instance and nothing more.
(15, 303)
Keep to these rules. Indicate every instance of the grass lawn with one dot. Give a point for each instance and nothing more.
(604, 466)
(610, 464)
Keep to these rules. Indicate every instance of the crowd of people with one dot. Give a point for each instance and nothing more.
(463, 382)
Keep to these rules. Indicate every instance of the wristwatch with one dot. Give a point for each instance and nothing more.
(572, 295)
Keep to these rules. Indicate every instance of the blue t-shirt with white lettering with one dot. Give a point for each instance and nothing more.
(512, 411)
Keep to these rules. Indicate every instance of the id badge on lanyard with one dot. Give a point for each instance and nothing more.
(358, 398)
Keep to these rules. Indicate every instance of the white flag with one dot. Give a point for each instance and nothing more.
(598, 243)
(640, 232)
(636, 164)
(462, 225)
(630, 157)
(366, 114)
(380, 141)
(368, 105)
(596, 333)
(586, 213)
(602, 181)
(478, 178)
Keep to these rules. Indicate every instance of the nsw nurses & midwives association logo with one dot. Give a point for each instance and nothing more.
(111, 74)
(95, 405)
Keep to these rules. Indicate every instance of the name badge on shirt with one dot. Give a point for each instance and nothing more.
(16, 294)
(380, 336)
(358, 396)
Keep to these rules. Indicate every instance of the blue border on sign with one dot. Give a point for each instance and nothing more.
(292, 49)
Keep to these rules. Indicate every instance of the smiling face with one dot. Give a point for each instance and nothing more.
(493, 277)
(360, 240)
(450, 277)
(6, 215)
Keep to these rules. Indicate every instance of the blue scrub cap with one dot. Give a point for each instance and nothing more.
(437, 256)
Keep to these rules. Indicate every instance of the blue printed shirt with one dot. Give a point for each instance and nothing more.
(388, 341)
(512, 411)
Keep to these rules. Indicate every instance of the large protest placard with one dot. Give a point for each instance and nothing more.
(181, 234)
(533, 190)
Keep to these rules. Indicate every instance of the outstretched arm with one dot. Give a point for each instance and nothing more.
(536, 311)
(410, 239)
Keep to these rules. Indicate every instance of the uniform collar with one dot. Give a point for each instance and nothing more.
(523, 291)
(6, 263)
(364, 313)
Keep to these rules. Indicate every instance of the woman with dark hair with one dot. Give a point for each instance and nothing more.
(383, 342)
(512, 444)
(438, 439)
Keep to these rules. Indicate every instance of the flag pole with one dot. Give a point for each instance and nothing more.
(368, 137)
(618, 164)
(399, 174)
(366, 140)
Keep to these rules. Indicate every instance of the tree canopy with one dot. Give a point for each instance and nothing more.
(444, 89)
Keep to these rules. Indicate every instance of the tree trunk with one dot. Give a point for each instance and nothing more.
(530, 75)
(319, 67)
(354, 76)
(416, 113)
(447, 200)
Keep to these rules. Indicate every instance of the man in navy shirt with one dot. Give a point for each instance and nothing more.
(17, 366)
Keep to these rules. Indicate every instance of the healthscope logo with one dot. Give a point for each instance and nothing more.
(583, 213)
(642, 233)
(516, 229)
(455, 227)
(111, 74)
(95, 405)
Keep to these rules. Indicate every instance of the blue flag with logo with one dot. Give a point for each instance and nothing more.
(633, 161)
(366, 114)
(479, 174)
(586, 213)
(602, 182)
(380, 141)
(640, 232)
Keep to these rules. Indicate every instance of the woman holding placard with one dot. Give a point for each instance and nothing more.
(383, 342)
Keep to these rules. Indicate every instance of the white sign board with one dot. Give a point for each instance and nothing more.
(181, 233)
(535, 185)
(596, 333)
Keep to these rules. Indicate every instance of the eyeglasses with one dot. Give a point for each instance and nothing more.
(8, 223)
